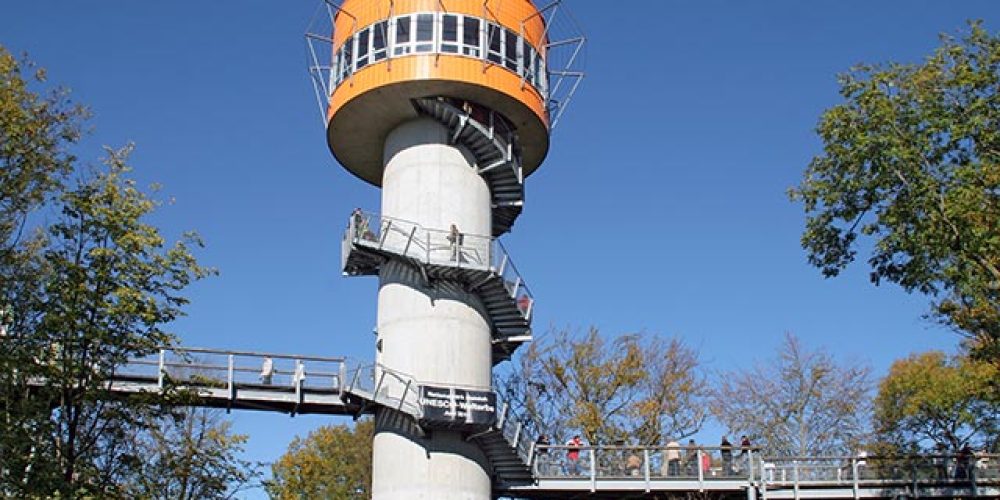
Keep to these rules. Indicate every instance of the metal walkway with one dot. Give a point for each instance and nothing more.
(493, 144)
(296, 384)
(606, 472)
(479, 262)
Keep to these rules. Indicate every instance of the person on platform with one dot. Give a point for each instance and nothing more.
(633, 464)
(672, 454)
(744, 452)
(542, 455)
(573, 456)
(300, 374)
(727, 456)
(267, 371)
(691, 458)
(455, 238)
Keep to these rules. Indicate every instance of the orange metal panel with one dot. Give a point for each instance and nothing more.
(437, 67)
(509, 13)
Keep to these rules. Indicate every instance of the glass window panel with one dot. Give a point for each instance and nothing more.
(529, 59)
(378, 35)
(425, 27)
(379, 41)
(494, 35)
(362, 56)
(403, 29)
(449, 28)
(348, 56)
(510, 50)
(470, 34)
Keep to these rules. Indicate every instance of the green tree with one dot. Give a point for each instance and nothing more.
(802, 403)
(105, 286)
(911, 161)
(78, 296)
(333, 462)
(190, 454)
(35, 132)
(638, 389)
(929, 400)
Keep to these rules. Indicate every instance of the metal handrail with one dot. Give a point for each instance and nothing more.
(440, 247)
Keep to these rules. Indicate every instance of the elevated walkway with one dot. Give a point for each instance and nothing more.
(491, 140)
(234, 380)
(479, 262)
(603, 472)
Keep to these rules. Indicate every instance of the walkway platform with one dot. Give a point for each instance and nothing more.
(479, 262)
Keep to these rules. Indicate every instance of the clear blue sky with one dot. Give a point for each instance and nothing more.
(661, 206)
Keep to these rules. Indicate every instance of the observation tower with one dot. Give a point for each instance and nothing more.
(447, 106)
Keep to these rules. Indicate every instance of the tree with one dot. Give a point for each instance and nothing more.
(190, 454)
(331, 462)
(911, 161)
(804, 403)
(637, 389)
(930, 400)
(105, 286)
(35, 132)
(77, 298)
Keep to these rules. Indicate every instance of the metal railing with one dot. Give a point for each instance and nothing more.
(704, 464)
(648, 463)
(387, 387)
(936, 469)
(197, 367)
(442, 248)
(519, 434)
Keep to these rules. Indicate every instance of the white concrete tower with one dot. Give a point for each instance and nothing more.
(446, 105)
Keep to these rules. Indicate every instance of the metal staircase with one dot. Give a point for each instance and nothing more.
(479, 262)
(493, 143)
(507, 445)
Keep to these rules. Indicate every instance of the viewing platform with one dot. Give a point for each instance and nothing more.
(480, 262)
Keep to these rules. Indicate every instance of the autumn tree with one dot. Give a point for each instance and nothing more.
(911, 162)
(932, 400)
(332, 462)
(634, 388)
(802, 403)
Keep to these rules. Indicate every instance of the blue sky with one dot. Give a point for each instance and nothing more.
(661, 206)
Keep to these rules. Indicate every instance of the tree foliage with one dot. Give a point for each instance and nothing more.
(34, 134)
(911, 161)
(801, 403)
(630, 388)
(190, 454)
(931, 399)
(81, 290)
(332, 462)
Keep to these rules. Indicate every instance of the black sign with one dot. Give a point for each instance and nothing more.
(457, 407)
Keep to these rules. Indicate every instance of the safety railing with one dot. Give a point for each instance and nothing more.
(212, 368)
(440, 247)
(648, 463)
(387, 387)
(937, 469)
(519, 433)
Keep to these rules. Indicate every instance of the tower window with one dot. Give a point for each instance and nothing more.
(425, 32)
(449, 34)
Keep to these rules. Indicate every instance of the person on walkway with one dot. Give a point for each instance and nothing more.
(673, 458)
(727, 456)
(300, 374)
(963, 460)
(633, 464)
(573, 456)
(267, 371)
(542, 455)
(691, 458)
(744, 452)
(455, 239)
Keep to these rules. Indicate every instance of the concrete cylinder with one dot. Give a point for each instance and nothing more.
(436, 333)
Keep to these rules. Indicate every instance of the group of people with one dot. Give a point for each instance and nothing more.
(676, 460)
